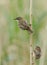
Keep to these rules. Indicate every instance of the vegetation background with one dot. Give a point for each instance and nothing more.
(39, 23)
(14, 42)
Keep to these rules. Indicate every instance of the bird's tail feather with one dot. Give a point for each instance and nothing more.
(31, 31)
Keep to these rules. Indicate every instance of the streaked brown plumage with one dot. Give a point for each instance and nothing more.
(37, 52)
(23, 24)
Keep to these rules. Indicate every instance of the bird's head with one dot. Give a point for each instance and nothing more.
(18, 18)
(38, 48)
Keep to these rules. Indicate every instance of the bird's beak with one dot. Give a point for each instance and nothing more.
(15, 19)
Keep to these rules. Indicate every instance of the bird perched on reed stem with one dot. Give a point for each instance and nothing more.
(37, 52)
(23, 24)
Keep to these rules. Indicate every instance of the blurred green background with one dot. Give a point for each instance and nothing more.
(39, 24)
(14, 41)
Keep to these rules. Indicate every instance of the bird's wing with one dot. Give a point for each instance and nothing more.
(22, 27)
(25, 23)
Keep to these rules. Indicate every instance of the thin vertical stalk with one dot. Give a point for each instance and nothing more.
(31, 52)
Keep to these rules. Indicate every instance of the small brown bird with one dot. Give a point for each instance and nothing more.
(23, 24)
(37, 52)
